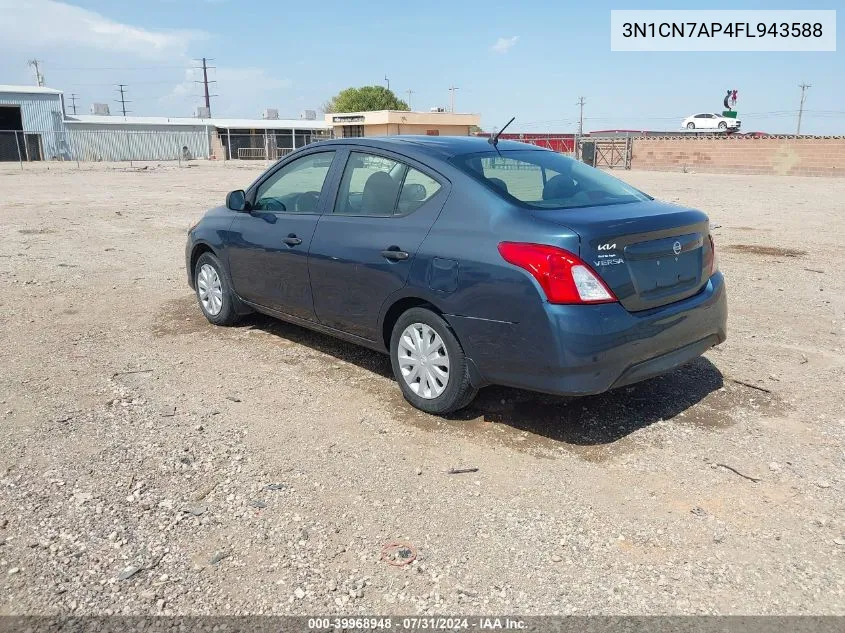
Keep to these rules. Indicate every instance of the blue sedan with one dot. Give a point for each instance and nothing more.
(470, 263)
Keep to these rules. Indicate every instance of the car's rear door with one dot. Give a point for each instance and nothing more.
(363, 249)
(268, 249)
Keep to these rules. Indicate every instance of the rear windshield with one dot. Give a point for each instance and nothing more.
(547, 180)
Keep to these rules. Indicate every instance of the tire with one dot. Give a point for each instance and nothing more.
(723, 125)
(458, 391)
(227, 313)
(690, 125)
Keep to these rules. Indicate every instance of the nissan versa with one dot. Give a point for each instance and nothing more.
(471, 263)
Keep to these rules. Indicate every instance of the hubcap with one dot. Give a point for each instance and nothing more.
(210, 289)
(423, 360)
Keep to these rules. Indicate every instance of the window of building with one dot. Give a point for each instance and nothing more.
(353, 131)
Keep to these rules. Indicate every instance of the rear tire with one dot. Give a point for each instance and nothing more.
(214, 292)
(690, 125)
(441, 344)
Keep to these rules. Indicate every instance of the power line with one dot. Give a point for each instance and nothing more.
(134, 83)
(122, 101)
(804, 88)
(117, 67)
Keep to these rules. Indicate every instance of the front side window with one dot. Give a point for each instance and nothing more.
(547, 180)
(296, 187)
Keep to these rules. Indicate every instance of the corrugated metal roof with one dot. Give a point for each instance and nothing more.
(250, 124)
(29, 90)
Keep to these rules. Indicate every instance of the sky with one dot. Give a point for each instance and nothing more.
(532, 60)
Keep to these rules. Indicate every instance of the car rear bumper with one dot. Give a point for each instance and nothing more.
(581, 350)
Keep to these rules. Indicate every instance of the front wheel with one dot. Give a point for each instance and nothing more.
(723, 125)
(690, 125)
(213, 291)
(429, 363)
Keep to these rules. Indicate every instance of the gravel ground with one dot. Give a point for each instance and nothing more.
(151, 463)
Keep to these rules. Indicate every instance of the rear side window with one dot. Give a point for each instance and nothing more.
(373, 185)
(416, 190)
(547, 180)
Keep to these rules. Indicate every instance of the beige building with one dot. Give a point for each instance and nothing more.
(395, 122)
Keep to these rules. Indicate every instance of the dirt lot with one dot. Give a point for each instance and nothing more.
(151, 463)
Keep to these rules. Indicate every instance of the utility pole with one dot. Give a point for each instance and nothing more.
(387, 81)
(580, 102)
(73, 102)
(39, 78)
(205, 68)
(122, 101)
(410, 92)
(804, 88)
(452, 97)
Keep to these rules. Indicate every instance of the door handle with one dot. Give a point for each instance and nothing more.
(393, 253)
(292, 240)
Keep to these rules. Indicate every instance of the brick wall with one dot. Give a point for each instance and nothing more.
(799, 156)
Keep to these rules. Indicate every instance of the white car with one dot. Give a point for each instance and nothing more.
(708, 121)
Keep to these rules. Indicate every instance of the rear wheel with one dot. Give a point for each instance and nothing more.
(690, 125)
(214, 293)
(429, 363)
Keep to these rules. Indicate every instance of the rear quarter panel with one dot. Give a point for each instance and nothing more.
(496, 309)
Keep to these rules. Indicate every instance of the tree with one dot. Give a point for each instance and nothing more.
(364, 99)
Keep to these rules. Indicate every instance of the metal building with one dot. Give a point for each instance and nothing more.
(94, 137)
(117, 138)
(34, 126)
(31, 123)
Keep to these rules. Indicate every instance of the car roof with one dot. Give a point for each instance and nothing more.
(441, 146)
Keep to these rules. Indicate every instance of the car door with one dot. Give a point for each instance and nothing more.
(268, 250)
(363, 250)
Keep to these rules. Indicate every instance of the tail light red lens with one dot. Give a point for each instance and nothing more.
(563, 276)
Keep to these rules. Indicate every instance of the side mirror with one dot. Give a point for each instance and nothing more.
(236, 200)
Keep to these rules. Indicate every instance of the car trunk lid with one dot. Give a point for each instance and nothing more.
(648, 253)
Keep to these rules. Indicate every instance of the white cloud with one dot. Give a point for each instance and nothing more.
(88, 53)
(47, 24)
(504, 44)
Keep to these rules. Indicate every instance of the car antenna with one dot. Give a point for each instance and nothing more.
(494, 140)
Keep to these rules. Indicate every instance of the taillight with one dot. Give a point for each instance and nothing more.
(714, 258)
(564, 277)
